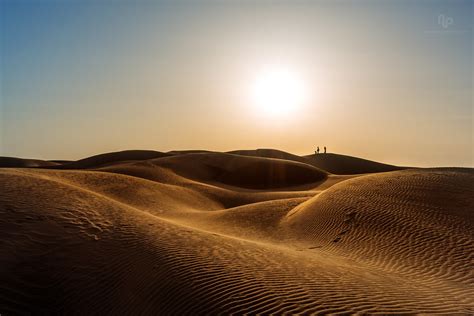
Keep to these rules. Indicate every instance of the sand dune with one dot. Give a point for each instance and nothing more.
(342, 164)
(12, 162)
(332, 163)
(184, 152)
(214, 233)
(112, 158)
(415, 223)
(248, 172)
(270, 153)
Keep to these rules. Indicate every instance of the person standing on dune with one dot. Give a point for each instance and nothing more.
(317, 150)
(324, 149)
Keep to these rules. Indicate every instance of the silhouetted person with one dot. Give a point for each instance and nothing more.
(317, 150)
(324, 149)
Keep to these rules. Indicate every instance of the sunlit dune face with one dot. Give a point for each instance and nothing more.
(278, 92)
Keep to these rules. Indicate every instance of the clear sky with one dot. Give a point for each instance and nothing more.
(385, 80)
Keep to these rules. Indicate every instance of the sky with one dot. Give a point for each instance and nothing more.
(390, 81)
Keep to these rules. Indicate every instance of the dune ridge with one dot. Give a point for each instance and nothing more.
(111, 158)
(342, 164)
(195, 233)
(13, 162)
(329, 162)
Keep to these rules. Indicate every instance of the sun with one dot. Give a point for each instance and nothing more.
(278, 91)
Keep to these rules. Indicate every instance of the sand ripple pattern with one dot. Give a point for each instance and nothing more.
(391, 243)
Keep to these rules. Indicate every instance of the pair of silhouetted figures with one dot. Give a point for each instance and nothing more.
(317, 150)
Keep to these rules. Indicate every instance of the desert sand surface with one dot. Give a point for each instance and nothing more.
(244, 232)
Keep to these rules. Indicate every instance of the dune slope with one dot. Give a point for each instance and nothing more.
(414, 223)
(246, 172)
(112, 158)
(270, 153)
(12, 162)
(332, 163)
(342, 164)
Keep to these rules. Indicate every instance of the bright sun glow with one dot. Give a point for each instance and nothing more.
(279, 91)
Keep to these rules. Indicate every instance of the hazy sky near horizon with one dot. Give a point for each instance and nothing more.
(388, 80)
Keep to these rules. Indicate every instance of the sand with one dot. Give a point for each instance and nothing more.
(228, 233)
(330, 162)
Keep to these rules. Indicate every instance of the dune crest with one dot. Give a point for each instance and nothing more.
(342, 164)
(12, 162)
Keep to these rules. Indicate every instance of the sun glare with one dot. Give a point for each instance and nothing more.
(279, 91)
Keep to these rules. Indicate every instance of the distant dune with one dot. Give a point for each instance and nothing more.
(247, 172)
(183, 152)
(12, 162)
(204, 233)
(112, 158)
(270, 153)
(332, 163)
(341, 164)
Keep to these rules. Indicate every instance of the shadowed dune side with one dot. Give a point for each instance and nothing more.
(111, 158)
(241, 171)
(12, 162)
(342, 164)
(226, 196)
(211, 167)
(270, 153)
(157, 190)
(185, 152)
(61, 162)
(273, 174)
(70, 243)
(332, 163)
